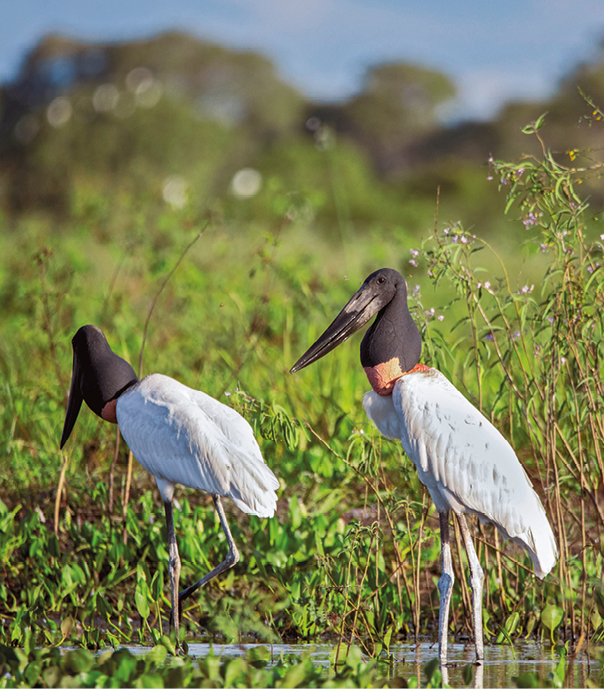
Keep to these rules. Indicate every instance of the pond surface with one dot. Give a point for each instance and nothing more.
(500, 665)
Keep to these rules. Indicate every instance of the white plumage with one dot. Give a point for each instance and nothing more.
(186, 437)
(465, 463)
(463, 460)
(179, 435)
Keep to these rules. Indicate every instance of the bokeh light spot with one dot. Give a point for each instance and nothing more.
(59, 112)
(175, 191)
(246, 183)
(105, 98)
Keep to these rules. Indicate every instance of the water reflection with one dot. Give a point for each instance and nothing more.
(500, 665)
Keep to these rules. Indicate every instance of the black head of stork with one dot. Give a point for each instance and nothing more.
(99, 377)
(392, 345)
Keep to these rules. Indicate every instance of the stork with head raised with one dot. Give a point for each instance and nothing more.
(465, 463)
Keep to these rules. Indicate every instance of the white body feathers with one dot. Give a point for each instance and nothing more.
(184, 436)
(463, 460)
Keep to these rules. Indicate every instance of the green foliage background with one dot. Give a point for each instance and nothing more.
(87, 237)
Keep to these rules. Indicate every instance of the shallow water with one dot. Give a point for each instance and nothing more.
(500, 665)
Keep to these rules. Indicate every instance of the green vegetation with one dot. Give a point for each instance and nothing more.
(352, 556)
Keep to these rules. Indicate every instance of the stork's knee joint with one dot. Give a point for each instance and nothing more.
(445, 584)
(233, 558)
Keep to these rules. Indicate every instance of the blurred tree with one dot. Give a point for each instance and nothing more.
(398, 104)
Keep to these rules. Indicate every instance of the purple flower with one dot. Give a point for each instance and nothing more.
(519, 172)
(464, 240)
(227, 394)
(529, 221)
(562, 360)
(441, 317)
(526, 289)
(489, 337)
(454, 239)
(414, 253)
(413, 263)
(544, 248)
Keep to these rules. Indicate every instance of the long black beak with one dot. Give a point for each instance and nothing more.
(359, 311)
(75, 399)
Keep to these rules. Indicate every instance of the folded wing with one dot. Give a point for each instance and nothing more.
(184, 436)
(463, 460)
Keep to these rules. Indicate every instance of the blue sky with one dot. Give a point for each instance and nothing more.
(494, 51)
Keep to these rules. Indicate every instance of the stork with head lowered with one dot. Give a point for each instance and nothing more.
(179, 435)
(465, 463)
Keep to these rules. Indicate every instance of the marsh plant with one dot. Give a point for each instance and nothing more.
(351, 555)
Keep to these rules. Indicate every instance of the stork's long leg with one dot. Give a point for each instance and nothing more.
(476, 579)
(174, 568)
(445, 586)
(231, 559)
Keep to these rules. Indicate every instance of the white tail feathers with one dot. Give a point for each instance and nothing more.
(545, 554)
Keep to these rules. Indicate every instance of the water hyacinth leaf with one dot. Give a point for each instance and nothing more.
(258, 656)
(430, 668)
(234, 671)
(511, 623)
(51, 676)
(77, 661)
(67, 627)
(157, 655)
(551, 618)
(210, 666)
(295, 676)
(559, 674)
(527, 680)
(141, 598)
(149, 681)
(468, 673)
(168, 644)
(32, 672)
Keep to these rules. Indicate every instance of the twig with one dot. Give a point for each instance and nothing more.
(161, 289)
(59, 492)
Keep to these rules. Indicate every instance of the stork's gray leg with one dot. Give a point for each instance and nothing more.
(476, 579)
(231, 559)
(174, 568)
(445, 586)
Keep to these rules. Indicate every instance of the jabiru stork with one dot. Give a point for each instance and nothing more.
(179, 435)
(465, 463)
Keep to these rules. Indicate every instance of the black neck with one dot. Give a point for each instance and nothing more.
(105, 375)
(393, 334)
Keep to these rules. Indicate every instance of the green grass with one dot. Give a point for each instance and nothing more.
(353, 552)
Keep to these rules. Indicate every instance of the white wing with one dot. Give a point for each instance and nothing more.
(463, 460)
(184, 436)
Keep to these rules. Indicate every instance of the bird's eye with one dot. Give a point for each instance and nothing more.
(381, 280)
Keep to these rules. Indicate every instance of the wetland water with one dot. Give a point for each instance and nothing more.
(501, 662)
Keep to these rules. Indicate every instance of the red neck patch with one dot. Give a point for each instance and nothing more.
(108, 412)
(383, 376)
